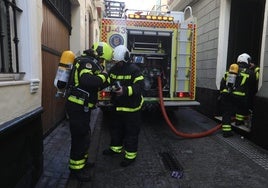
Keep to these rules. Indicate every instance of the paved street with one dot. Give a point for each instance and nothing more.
(207, 162)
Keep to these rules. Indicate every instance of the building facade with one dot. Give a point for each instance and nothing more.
(34, 33)
(72, 25)
(227, 28)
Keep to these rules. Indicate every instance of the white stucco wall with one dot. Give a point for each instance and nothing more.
(16, 96)
(207, 13)
(82, 14)
(224, 22)
(263, 82)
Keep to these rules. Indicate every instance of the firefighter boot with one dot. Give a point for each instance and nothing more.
(110, 152)
(82, 175)
(227, 130)
(239, 122)
(126, 162)
(227, 134)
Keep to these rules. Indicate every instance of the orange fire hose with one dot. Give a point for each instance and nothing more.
(185, 135)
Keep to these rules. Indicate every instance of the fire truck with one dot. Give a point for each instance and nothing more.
(162, 44)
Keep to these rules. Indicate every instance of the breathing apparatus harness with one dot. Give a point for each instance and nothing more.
(86, 61)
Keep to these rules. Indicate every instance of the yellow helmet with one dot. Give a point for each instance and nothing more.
(103, 50)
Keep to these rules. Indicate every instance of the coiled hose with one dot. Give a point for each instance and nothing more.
(184, 135)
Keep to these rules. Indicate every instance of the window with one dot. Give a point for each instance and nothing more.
(8, 37)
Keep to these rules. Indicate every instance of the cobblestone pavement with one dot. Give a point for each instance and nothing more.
(56, 154)
(207, 162)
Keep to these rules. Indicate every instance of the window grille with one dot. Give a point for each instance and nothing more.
(9, 37)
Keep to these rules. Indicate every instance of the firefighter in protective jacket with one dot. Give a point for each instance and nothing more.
(256, 70)
(235, 88)
(126, 81)
(85, 81)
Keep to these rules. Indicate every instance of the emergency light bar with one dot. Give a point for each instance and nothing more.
(150, 17)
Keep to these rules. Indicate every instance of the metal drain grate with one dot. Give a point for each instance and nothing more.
(253, 152)
(172, 164)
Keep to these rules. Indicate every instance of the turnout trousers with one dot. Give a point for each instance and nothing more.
(233, 106)
(80, 135)
(124, 129)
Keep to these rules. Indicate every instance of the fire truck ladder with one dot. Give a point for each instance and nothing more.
(114, 9)
(184, 57)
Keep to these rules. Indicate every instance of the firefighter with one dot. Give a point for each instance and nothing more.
(86, 79)
(235, 88)
(127, 83)
(256, 70)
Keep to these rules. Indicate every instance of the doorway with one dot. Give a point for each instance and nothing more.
(246, 26)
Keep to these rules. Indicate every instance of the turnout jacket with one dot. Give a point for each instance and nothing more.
(132, 83)
(86, 77)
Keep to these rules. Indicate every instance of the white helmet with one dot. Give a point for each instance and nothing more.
(121, 53)
(244, 58)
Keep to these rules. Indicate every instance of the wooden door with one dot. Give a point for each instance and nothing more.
(55, 39)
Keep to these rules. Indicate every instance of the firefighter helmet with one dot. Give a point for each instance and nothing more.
(121, 53)
(244, 58)
(103, 50)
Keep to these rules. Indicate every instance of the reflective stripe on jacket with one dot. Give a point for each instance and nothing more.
(244, 82)
(132, 82)
(84, 78)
